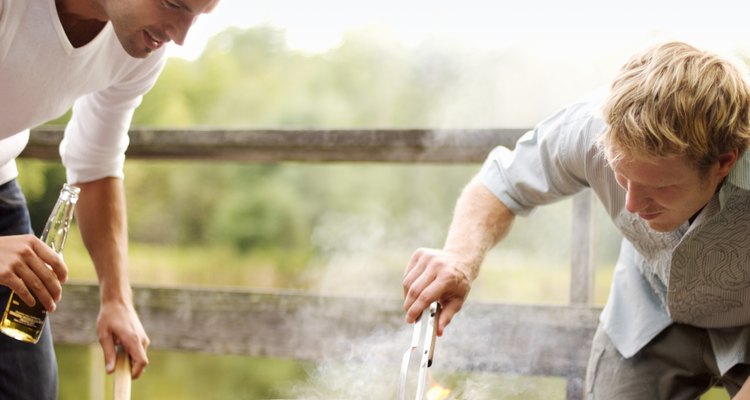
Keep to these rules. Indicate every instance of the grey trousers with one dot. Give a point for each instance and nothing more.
(27, 371)
(678, 364)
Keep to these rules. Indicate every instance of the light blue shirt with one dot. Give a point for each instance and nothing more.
(698, 274)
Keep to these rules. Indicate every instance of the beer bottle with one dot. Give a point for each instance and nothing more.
(19, 320)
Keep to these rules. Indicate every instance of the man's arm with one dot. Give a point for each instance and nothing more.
(744, 393)
(480, 221)
(103, 225)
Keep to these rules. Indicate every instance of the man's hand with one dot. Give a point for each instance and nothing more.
(480, 221)
(27, 266)
(744, 393)
(435, 275)
(119, 324)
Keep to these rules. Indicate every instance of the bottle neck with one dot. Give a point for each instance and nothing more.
(56, 230)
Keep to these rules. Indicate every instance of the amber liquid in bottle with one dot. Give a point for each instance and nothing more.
(24, 322)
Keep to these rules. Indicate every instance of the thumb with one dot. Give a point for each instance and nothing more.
(110, 354)
(450, 308)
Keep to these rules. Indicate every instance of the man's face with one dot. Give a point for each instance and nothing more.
(667, 192)
(143, 26)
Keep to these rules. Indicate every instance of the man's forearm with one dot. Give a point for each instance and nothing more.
(480, 221)
(103, 225)
(744, 393)
(101, 216)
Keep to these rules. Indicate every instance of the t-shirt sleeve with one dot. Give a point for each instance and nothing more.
(550, 162)
(96, 137)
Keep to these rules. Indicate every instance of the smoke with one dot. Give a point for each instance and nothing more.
(371, 370)
(366, 254)
(368, 366)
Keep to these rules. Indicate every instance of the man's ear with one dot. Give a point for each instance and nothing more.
(727, 161)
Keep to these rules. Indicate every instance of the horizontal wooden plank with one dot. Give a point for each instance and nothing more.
(524, 339)
(373, 145)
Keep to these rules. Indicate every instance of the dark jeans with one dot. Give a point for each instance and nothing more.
(27, 371)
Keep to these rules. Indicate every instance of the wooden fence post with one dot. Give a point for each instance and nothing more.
(581, 271)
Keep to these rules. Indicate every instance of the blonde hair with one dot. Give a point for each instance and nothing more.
(674, 99)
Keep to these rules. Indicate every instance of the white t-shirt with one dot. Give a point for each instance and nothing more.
(42, 75)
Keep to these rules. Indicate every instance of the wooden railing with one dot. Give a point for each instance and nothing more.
(275, 324)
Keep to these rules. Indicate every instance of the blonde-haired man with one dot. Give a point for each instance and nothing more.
(664, 151)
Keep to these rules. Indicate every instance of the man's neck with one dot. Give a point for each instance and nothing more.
(82, 20)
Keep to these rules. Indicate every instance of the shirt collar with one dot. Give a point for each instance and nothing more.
(739, 176)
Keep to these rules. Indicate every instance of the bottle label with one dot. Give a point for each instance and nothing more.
(27, 316)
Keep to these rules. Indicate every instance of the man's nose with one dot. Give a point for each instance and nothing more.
(178, 30)
(636, 198)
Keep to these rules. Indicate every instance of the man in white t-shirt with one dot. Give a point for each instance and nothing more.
(100, 57)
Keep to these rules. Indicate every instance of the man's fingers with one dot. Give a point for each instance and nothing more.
(138, 358)
(136, 354)
(133, 347)
(433, 276)
(450, 308)
(42, 282)
(110, 353)
(424, 298)
(43, 279)
(51, 260)
(415, 291)
(20, 290)
(414, 269)
(411, 278)
(139, 367)
(32, 270)
(32, 283)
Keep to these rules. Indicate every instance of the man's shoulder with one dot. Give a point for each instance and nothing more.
(11, 12)
(581, 120)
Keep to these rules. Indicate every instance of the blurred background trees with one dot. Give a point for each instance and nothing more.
(250, 79)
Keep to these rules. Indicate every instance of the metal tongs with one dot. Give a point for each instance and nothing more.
(425, 333)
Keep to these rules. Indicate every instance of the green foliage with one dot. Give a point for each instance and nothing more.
(173, 203)
(41, 183)
(254, 217)
(74, 371)
(183, 376)
(179, 376)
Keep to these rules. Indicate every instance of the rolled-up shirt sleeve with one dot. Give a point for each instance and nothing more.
(96, 136)
(550, 162)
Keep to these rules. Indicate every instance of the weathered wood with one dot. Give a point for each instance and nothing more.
(523, 339)
(582, 254)
(374, 145)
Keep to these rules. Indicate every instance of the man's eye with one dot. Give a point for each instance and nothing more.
(170, 4)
